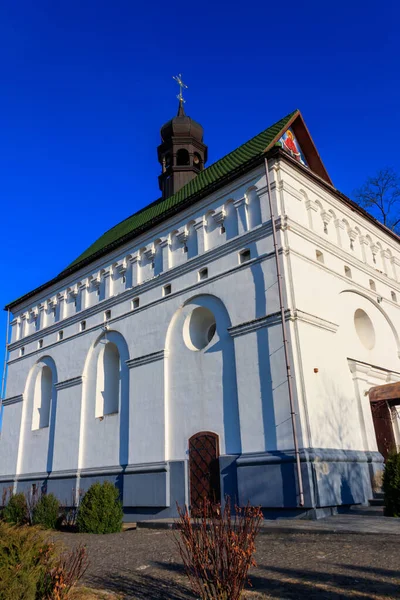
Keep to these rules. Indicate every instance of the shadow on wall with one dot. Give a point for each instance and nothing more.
(95, 386)
(344, 476)
(41, 394)
(225, 345)
(201, 365)
(264, 358)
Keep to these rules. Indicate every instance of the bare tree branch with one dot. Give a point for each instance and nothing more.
(380, 195)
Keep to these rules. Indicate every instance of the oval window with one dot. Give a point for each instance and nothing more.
(364, 328)
(199, 328)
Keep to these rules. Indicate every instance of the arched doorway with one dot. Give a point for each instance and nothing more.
(384, 399)
(204, 469)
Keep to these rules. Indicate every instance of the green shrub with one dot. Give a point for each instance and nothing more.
(100, 510)
(21, 562)
(16, 511)
(31, 568)
(391, 485)
(46, 511)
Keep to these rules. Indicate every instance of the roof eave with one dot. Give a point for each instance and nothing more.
(277, 152)
(251, 164)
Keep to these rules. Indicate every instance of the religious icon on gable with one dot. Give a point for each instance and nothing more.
(291, 145)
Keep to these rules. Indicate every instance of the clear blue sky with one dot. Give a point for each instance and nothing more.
(86, 85)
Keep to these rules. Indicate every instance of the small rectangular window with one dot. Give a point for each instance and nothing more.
(22, 351)
(244, 256)
(40, 344)
(83, 325)
(107, 315)
(60, 335)
(203, 274)
(167, 289)
(135, 303)
(372, 285)
(394, 297)
(319, 256)
(347, 272)
(123, 279)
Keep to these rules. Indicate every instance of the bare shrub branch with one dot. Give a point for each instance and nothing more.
(217, 549)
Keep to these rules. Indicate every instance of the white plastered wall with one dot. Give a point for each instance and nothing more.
(323, 302)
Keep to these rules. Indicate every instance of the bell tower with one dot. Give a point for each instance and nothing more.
(182, 153)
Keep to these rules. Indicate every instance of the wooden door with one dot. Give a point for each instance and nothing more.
(203, 469)
(382, 418)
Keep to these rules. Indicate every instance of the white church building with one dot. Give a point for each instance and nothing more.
(239, 335)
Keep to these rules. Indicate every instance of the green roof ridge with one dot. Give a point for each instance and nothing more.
(250, 150)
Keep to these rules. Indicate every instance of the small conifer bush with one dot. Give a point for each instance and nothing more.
(16, 511)
(391, 485)
(46, 511)
(100, 510)
(33, 568)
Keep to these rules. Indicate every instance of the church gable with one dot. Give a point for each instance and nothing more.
(298, 143)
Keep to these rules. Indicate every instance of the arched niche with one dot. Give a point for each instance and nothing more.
(191, 240)
(105, 403)
(175, 250)
(200, 377)
(230, 220)
(158, 257)
(253, 208)
(42, 395)
(211, 230)
(40, 391)
(36, 440)
(108, 389)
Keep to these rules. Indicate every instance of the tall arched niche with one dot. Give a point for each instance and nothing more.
(200, 377)
(105, 403)
(36, 442)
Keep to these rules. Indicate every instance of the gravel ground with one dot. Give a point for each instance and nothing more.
(144, 564)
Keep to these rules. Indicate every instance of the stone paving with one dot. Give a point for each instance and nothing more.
(303, 560)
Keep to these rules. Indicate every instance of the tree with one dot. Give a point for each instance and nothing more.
(380, 195)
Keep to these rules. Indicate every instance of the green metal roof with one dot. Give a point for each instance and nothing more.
(215, 175)
(223, 167)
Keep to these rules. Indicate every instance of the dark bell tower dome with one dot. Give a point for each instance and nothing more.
(182, 153)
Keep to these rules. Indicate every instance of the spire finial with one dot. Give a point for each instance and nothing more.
(182, 86)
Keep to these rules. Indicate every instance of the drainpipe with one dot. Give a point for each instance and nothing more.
(285, 341)
(3, 380)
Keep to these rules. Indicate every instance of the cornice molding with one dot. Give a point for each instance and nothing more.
(256, 324)
(274, 318)
(31, 476)
(348, 258)
(146, 359)
(305, 317)
(158, 467)
(12, 400)
(359, 367)
(99, 326)
(67, 383)
(337, 201)
(167, 276)
(94, 471)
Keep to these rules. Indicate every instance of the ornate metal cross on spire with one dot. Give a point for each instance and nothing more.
(182, 86)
